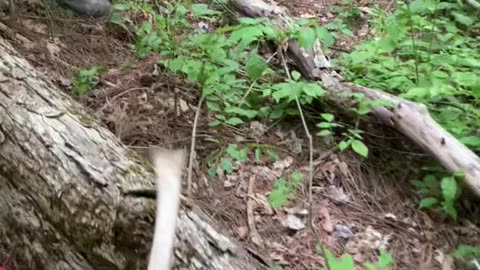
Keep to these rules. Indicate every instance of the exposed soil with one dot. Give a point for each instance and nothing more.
(358, 207)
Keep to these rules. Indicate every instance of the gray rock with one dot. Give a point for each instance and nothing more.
(87, 8)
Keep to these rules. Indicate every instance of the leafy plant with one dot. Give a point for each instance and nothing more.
(84, 80)
(345, 262)
(327, 126)
(469, 254)
(225, 158)
(385, 261)
(439, 193)
(426, 52)
(348, 10)
(353, 140)
(283, 190)
(466, 251)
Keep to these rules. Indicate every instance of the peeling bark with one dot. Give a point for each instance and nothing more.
(65, 183)
(410, 118)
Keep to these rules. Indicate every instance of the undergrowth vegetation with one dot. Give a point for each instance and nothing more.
(426, 51)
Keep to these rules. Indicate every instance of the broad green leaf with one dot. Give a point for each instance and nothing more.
(360, 148)
(466, 78)
(215, 123)
(343, 145)
(466, 252)
(385, 259)
(313, 90)
(324, 133)
(462, 18)
(325, 37)
(324, 125)
(234, 121)
(297, 177)
(213, 106)
(417, 92)
(327, 116)
(243, 112)
(449, 188)
(279, 195)
(296, 75)
(471, 141)
(121, 6)
(428, 202)
(227, 165)
(250, 21)
(117, 19)
(255, 66)
(449, 208)
(212, 171)
(199, 10)
(306, 37)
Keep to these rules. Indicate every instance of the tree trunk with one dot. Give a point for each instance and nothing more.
(67, 186)
(410, 118)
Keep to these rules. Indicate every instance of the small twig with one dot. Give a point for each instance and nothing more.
(254, 235)
(192, 146)
(310, 147)
(310, 169)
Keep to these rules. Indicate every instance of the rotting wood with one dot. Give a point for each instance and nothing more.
(64, 181)
(410, 118)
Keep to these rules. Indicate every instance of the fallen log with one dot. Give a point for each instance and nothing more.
(67, 186)
(410, 118)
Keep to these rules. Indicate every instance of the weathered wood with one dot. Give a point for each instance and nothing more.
(410, 118)
(64, 181)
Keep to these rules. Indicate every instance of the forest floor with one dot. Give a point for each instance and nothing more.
(359, 206)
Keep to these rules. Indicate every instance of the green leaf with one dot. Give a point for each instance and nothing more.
(227, 165)
(296, 75)
(466, 252)
(417, 92)
(471, 141)
(296, 177)
(234, 121)
(212, 171)
(255, 66)
(116, 19)
(385, 259)
(449, 188)
(428, 202)
(213, 106)
(462, 18)
(199, 10)
(324, 133)
(279, 195)
(327, 116)
(419, 6)
(215, 123)
(121, 6)
(306, 37)
(449, 209)
(313, 90)
(369, 266)
(343, 145)
(360, 148)
(325, 36)
(466, 78)
(324, 125)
